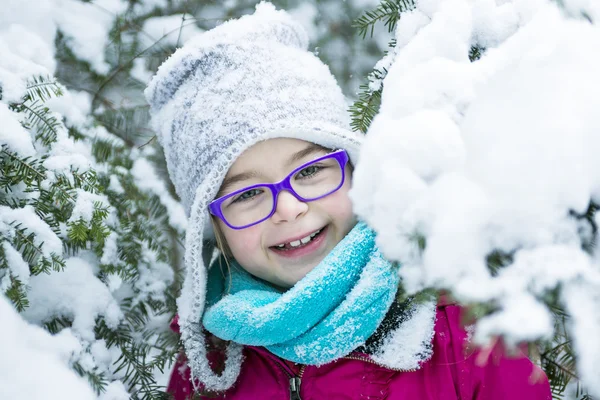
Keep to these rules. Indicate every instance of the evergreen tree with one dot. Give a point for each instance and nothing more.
(58, 216)
(90, 230)
(89, 233)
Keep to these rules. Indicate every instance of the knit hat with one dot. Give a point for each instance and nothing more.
(245, 81)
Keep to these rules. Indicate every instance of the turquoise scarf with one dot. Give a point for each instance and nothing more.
(334, 309)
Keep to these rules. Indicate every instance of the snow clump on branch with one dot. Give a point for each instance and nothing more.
(496, 156)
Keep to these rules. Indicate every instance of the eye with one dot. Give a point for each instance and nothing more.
(309, 171)
(247, 195)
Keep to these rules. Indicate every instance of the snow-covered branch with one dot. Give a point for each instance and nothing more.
(494, 157)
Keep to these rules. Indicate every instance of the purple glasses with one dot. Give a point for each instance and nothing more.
(254, 204)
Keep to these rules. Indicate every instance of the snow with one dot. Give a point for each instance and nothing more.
(46, 239)
(140, 72)
(66, 154)
(27, 44)
(146, 6)
(86, 26)
(582, 301)
(73, 105)
(522, 310)
(410, 344)
(101, 355)
(115, 185)
(110, 251)
(37, 49)
(472, 156)
(493, 24)
(76, 293)
(305, 13)
(29, 354)
(13, 134)
(146, 178)
(154, 278)
(492, 155)
(173, 30)
(85, 204)
(18, 267)
(115, 391)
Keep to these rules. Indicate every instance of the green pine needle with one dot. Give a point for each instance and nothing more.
(17, 294)
(364, 109)
(388, 11)
(42, 88)
(476, 52)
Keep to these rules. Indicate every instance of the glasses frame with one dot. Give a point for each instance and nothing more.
(285, 184)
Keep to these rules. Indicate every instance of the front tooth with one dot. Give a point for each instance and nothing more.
(295, 243)
(305, 240)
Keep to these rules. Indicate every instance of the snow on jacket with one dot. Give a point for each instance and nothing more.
(452, 373)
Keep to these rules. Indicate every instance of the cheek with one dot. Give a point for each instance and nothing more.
(339, 206)
(243, 242)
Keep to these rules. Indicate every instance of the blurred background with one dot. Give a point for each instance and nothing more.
(143, 36)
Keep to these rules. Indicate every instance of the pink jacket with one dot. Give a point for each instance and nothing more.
(451, 373)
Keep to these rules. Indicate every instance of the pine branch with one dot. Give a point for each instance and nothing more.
(388, 11)
(17, 294)
(476, 52)
(133, 362)
(86, 180)
(124, 65)
(80, 232)
(63, 191)
(41, 118)
(558, 358)
(97, 381)
(57, 324)
(32, 253)
(588, 235)
(497, 260)
(141, 226)
(42, 88)
(16, 169)
(125, 122)
(107, 152)
(364, 109)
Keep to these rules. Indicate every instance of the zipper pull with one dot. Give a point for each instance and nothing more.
(295, 388)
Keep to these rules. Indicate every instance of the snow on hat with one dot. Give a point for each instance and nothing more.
(242, 82)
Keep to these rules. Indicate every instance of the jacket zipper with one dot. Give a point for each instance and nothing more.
(368, 360)
(295, 382)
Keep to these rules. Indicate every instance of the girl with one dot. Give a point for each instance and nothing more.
(299, 303)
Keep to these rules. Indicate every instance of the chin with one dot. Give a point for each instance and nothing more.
(305, 272)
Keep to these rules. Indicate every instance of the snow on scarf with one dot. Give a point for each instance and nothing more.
(334, 309)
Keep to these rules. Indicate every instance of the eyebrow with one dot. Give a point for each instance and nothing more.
(229, 181)
(243, 176)
(310, 149)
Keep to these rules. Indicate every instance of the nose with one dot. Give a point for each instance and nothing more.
(288, 208)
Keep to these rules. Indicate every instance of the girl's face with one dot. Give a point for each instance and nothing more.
(258, 248)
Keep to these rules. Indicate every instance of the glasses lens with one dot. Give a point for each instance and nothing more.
(248, 207)
(317, 179)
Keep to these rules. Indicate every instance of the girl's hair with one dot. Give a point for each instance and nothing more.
(220, 241)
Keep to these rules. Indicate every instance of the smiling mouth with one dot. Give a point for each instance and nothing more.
(297, 244)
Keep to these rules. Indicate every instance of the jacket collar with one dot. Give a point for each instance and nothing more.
(403, 340)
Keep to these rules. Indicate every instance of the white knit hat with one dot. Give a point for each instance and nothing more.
(245, 81)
